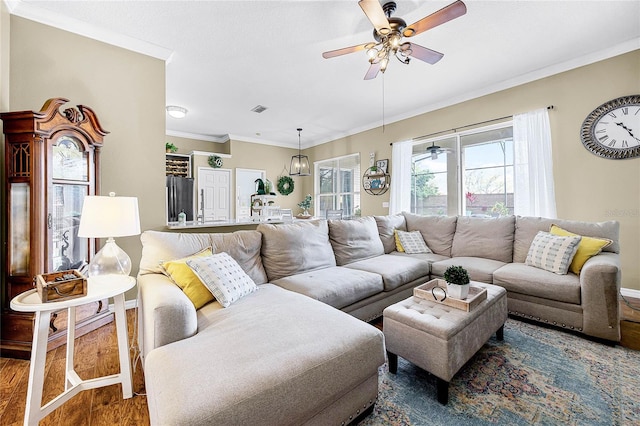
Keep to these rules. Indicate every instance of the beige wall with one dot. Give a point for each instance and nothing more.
(245, 155)
(186, 145)
(127, 92)
(587, 187)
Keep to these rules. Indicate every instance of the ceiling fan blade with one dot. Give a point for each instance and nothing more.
(343, 51)
(373, 71)
(376, 15)
(447, 13)
(424, 54)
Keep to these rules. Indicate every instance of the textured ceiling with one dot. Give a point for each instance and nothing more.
(226, 57)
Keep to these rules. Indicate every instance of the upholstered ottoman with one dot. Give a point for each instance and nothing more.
(439, 338)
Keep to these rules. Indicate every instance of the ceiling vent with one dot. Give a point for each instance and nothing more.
(259, 109)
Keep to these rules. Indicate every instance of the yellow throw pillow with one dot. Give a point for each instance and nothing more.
(183, 276)
(399, 247)
(587, 248)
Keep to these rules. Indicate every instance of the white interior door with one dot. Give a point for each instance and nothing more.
(245, 186)
(214, 193)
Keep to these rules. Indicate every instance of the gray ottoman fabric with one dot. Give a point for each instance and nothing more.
(441, 339)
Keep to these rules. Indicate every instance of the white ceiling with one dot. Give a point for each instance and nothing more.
(226, 57)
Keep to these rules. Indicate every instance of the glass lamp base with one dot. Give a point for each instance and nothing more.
(111, 259)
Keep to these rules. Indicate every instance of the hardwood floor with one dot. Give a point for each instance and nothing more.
(96, 354)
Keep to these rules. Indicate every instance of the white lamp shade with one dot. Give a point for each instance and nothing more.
(104, 217)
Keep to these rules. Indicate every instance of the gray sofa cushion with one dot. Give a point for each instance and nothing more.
(336, 286)
(242, 246)
(426, 257)
(292, 358)
(395, 270)
(527, 228)
(489, 238)
(354, 240)
(437, 231)
(524, 279)
(386, 226)
(294, 248)
(479, 269)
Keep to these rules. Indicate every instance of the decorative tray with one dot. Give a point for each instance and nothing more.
(60, 285)
(476, 295)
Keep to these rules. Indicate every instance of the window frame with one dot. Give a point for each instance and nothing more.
(337, 193)
(456, 203)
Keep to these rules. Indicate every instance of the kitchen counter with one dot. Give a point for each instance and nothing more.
(220, 224)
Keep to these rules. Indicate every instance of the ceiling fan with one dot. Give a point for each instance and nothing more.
(388, 33)
(434, 150)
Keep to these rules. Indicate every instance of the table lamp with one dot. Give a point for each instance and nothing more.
(109, 217)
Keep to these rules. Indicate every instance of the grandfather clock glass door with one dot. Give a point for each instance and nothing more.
(51, 165)
(70, 182)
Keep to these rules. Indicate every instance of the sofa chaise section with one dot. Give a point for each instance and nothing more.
(273, 358)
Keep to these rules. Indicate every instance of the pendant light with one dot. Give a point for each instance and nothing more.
(299, 163)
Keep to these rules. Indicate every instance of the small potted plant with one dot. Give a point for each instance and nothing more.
(457, 280)
(170, 147)
(305, 205)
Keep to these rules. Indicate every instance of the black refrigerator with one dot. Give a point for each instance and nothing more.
(179, 197)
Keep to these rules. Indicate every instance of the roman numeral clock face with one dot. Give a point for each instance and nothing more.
(613, 129)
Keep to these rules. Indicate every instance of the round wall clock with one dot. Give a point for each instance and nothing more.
(613, 129)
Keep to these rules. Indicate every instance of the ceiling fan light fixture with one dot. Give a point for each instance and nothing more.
(408, 32)
(176, 111)
(394, 40)
(383, 64)
(299, 163)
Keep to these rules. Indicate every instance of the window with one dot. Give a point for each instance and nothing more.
(479, 182)
(337, 185)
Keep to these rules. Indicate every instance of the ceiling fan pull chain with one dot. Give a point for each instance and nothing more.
(383, 118)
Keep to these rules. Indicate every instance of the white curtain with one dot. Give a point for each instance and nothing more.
(534, 190)
(400, 196)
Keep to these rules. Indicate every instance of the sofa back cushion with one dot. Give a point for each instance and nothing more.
(294, 248)
(527, 228)
(355, 239)
(243, 246)
(437, 231)
(386, 226)
(489, 238)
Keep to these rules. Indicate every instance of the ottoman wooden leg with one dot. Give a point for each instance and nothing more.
(500, 333)
(443, 391)
(393, 362)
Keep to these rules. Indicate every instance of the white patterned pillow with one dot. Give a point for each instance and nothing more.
(412, 242)
(224, 278)
(552, 253)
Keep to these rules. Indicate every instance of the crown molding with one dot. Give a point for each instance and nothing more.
(47, 17)
(196, 136)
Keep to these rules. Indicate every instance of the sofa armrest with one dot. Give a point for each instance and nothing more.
(165, 313)
(600, 282)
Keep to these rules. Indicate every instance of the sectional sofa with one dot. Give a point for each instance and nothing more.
(279, 356)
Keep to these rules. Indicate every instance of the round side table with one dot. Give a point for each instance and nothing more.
(97, 288)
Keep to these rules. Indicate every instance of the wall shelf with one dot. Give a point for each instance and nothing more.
(375, 182)
(178, 165)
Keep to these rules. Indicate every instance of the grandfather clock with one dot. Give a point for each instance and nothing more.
(51, 164)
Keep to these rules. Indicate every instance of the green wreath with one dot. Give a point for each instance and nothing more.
(285, 185)
(215, 161)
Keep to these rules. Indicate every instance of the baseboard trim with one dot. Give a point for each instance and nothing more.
(133, 303)
(630, 292)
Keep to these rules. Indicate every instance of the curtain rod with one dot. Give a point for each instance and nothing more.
(455, 129)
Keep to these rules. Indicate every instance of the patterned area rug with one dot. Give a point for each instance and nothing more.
(535, 376)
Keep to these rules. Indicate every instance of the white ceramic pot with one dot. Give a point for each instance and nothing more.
(458, 291)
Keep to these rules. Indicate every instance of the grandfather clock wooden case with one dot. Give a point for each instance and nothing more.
(51, 164)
